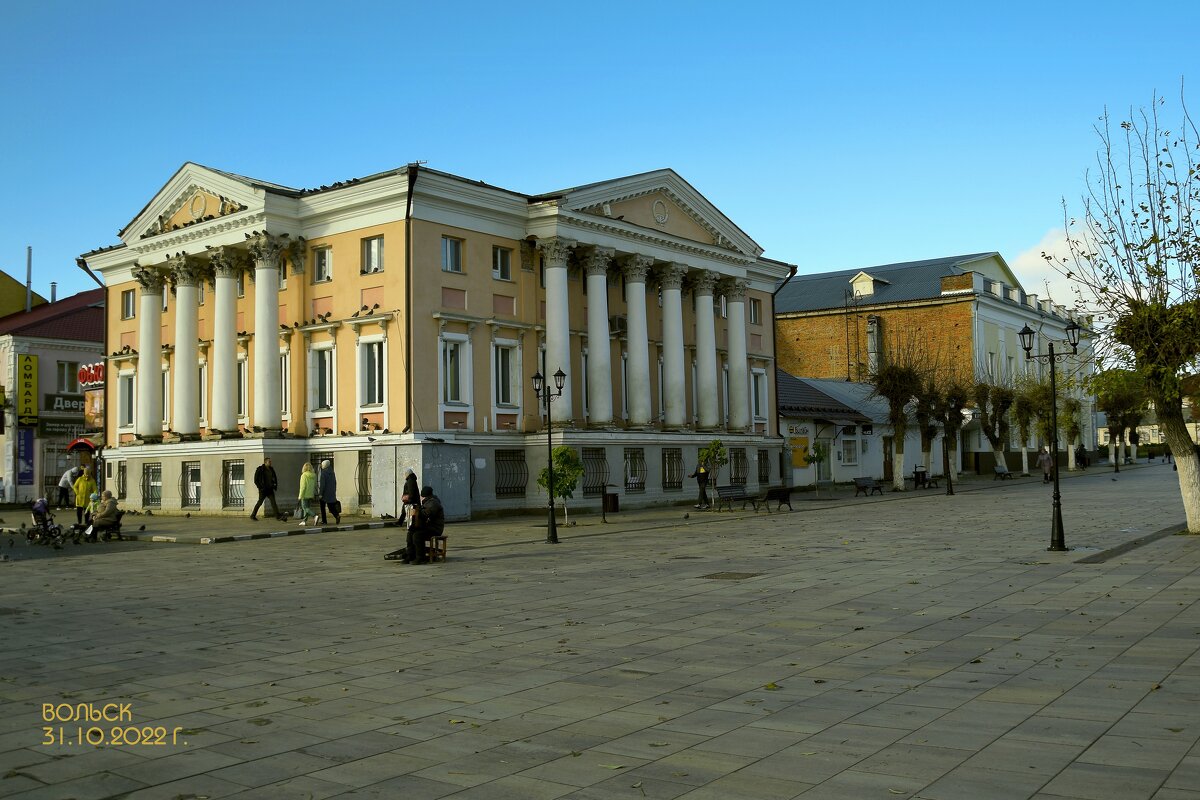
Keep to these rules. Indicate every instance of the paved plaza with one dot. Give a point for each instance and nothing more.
(906, 646)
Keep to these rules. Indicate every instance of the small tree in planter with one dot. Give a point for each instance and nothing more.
(713, 457)
(816, 457)
(567, 471)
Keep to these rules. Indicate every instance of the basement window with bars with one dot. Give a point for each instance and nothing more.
(672, 468)
(635, 470)
(512, 475)
(233, 483)
(362, 477)
(764, 466)
(738, 468)
(595, 471)
(152, 485)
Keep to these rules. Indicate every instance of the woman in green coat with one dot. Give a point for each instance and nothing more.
(308, 493)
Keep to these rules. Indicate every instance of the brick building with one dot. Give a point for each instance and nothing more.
(963, 312)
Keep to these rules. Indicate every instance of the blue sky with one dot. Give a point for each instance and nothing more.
(836, 135)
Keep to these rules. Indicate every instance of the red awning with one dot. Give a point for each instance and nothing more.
(81, 444)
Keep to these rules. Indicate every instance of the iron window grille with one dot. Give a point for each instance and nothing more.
(122, 480)
(152, 485)
(635, 470)
(738, 468)
(595, 471)
(316, 458)
(233, 483)
(672, 463)
(189, 490)
(362, 477)
(512, 475)
(764, 466)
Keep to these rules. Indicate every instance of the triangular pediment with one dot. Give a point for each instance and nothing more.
(192, 196)
(664, 202)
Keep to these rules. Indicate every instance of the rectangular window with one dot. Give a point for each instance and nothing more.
(165, 398)
(189, 482)
(322, 265)
(242, 388)
(152, 485)
(595, 471)
(505, 375)
(755, 311)
(371, 365)
(322, 380)
(125, 392)
(850, 452)
(122, 480)
(452, 372)
(451, 254)
(635, 470)
(512, 474)
(764, 467)
(502, 263)
(372, 255)
(128, 304)
(362, 477)
(758, 394)
(200, 293)
(68, 377)
(201, 388)
(285, 384)
(233, 483)
(241, 283)
(672, 464)
(737, 466)
(165, 291)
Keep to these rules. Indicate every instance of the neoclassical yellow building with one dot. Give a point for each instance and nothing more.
(395, 320)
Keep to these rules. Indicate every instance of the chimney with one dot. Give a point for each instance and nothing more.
(53, 291)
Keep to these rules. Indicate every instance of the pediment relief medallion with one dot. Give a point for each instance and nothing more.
(663, 210)
(195, 205)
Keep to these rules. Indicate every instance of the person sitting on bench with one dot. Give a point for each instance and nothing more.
(107, 517)
(428, 521)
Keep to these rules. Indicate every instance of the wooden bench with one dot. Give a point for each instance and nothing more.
(1002, 473)
(728, 495)
(781, 495)
(866, 486)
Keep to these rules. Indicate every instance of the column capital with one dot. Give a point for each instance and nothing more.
(597, 261)
(266, 249)
(226, 261)
(151, 279)
(297, 251)
(734, 289)
(556, 250)
(636, 268)
(671, 275)
(185, 270)
(703, 281)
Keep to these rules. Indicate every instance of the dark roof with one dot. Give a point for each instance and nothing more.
(79, 317)
(796, 397)
(910, 280)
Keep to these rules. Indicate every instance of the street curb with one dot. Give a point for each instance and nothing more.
(246, 537)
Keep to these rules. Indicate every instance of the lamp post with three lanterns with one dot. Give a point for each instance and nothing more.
(1057, 539)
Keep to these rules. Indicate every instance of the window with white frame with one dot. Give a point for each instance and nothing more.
(322, 265)
(755, 311)
(624, 386)
(758, 394)
(125, 399)
(505, 375)
(451, 254)
(242, 388)
(721, 307)
(241, 283)
(370, 372)
(128, 304)
(321, 379)
(849, 452)
(202, 389)
(662, 382)
(502, 263)
(200, 294)
(454, 351)
(166, 398)
(285, 383)
(372, 255)
(166, 290)
(583, 358)
(68, 377)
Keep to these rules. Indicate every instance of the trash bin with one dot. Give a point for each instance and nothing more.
(611, 503)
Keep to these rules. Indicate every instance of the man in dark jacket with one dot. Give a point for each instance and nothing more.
(327, 493)
(430, 521)
(266, 483)
(701, 476)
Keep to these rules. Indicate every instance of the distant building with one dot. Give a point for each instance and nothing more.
(13, 296)
(41, 355)
(396, 321)
(963, 312)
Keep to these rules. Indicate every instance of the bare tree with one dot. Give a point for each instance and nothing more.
(1134, 253)
(897, 380)
(1023, 412)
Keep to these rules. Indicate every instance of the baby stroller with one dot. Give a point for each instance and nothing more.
(44, 530)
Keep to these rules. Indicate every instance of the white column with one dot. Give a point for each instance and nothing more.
(706, 350)
(638, 340)
(671, 278)
(149, 366)
(739, 387)
(185, 410)
(227, 264)
(267, 252)
(558, 327)
(600, 377)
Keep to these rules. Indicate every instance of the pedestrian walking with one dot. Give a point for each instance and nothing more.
(410, 495)
(1045, 462)
(66, 486)
(701, 476)
(84, 485)
(327, 493)
(267, 483)
(307, 494)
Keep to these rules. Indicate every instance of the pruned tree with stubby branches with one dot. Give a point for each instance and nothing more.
(992, 402)
(1133, 251)
(1121, 396)
(897, 380)
(1023, 412)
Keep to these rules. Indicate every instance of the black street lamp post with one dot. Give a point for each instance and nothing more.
(1057, 539)
(544, 394)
